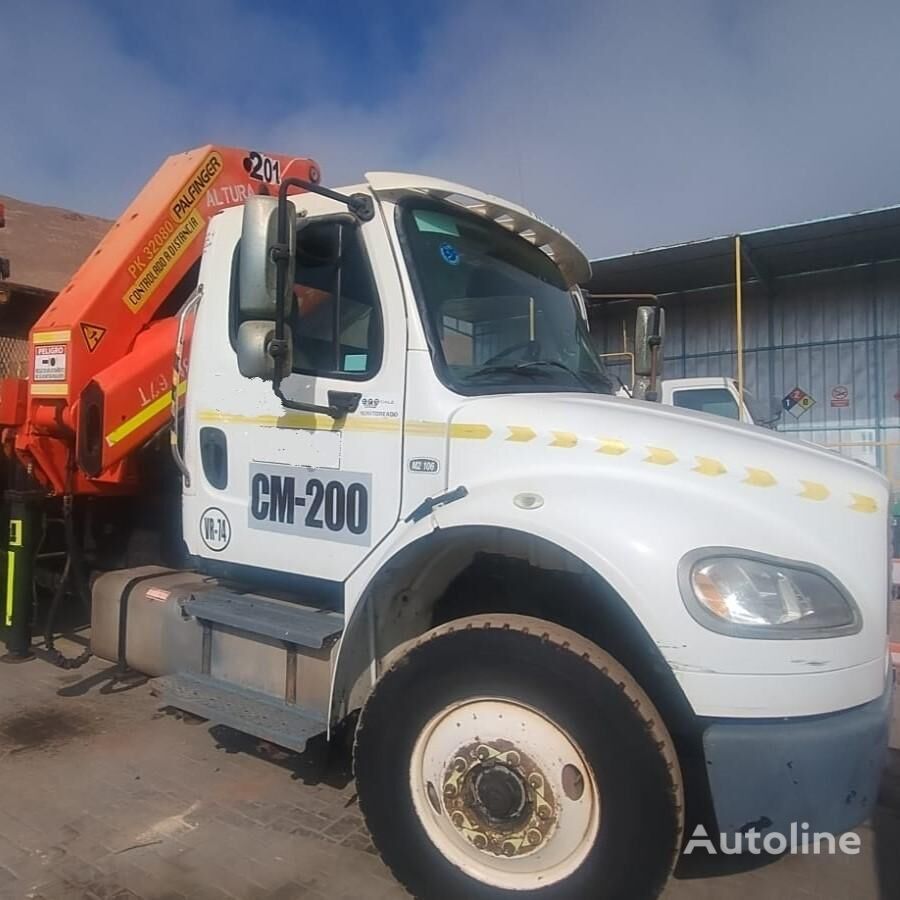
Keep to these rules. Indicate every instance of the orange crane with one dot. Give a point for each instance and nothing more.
(76, 436)
(102, 353)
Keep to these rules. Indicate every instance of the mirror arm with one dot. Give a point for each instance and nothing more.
(361, 206)
(655, 341)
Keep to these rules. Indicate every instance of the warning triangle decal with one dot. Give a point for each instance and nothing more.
(92, 334)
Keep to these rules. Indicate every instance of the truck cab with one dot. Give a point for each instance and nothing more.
(563, 627)
(716, 395)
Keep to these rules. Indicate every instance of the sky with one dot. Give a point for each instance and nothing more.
(627, 123)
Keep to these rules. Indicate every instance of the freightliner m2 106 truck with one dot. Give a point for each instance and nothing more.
(329, 460)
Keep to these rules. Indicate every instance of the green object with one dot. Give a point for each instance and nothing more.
(17, 594)
(356, 362)
(435, 222)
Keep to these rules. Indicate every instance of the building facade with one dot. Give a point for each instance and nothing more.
(820, 310)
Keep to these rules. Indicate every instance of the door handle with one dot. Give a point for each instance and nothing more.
(343, 402)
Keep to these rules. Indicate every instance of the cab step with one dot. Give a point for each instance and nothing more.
(240, 708)
(293, 623)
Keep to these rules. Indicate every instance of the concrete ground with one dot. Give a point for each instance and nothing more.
(105, 795)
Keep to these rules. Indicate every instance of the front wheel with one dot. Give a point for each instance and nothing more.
(503, 756)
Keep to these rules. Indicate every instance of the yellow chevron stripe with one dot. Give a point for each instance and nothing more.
(759, 477)
(470, 431)
(564, 439)
(706, 465)
(862, 503)
(521, 434)
(660, 456)
(612, 447)
(813, 490)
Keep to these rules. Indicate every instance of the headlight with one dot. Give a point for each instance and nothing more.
(746, 594)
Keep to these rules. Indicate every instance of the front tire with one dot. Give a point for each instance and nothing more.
(504, 756)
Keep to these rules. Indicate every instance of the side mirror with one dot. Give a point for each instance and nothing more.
(257, 271)
(254, 340)
(649, 330)
(773, 411)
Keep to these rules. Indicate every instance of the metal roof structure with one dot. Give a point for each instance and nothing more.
(838, 242)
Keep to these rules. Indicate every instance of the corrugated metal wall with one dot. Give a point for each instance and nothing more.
(817, 332)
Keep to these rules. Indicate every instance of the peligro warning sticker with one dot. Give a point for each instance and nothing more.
(50, 362)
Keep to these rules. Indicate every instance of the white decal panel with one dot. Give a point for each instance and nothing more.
(50, 362)
(215, 529)
(322, 504)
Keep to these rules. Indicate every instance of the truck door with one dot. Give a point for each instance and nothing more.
(298, 492)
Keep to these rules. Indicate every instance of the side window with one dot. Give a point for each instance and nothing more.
(336, 320)
(716, 401)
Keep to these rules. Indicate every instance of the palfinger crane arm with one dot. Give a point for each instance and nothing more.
(101, 354)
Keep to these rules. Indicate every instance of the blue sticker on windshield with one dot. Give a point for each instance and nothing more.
(449, 254)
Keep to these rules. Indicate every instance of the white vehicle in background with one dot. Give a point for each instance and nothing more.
(716, 395)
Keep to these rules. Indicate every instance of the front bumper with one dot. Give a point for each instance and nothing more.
(822, 770)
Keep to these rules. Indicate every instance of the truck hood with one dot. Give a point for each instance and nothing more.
(643, 439)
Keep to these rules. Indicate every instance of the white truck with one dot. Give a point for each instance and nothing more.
(565, 627)
(715, 395)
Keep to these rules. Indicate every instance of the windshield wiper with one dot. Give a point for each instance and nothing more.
(516, 369)
(530, 369)
(557, 365)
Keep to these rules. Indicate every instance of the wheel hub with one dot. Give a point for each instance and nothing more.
(504, 793)
(498, 799)
(499, 793)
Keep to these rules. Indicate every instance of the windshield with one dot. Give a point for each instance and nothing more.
(497, 307)
(717, 401)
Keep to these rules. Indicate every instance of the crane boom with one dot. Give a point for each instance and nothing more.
(101, 354)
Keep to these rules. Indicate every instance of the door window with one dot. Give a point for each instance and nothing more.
(336, 320)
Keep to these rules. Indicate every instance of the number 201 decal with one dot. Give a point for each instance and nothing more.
(313, 503)
(262, 168)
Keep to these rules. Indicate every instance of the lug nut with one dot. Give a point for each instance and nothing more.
(480, 841)
(508, 849)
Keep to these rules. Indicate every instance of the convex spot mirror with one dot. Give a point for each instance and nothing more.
(254, 340)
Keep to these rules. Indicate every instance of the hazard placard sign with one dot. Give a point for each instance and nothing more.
(797, 402)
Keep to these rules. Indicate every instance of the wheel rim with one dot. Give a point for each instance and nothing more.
(504, 793)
